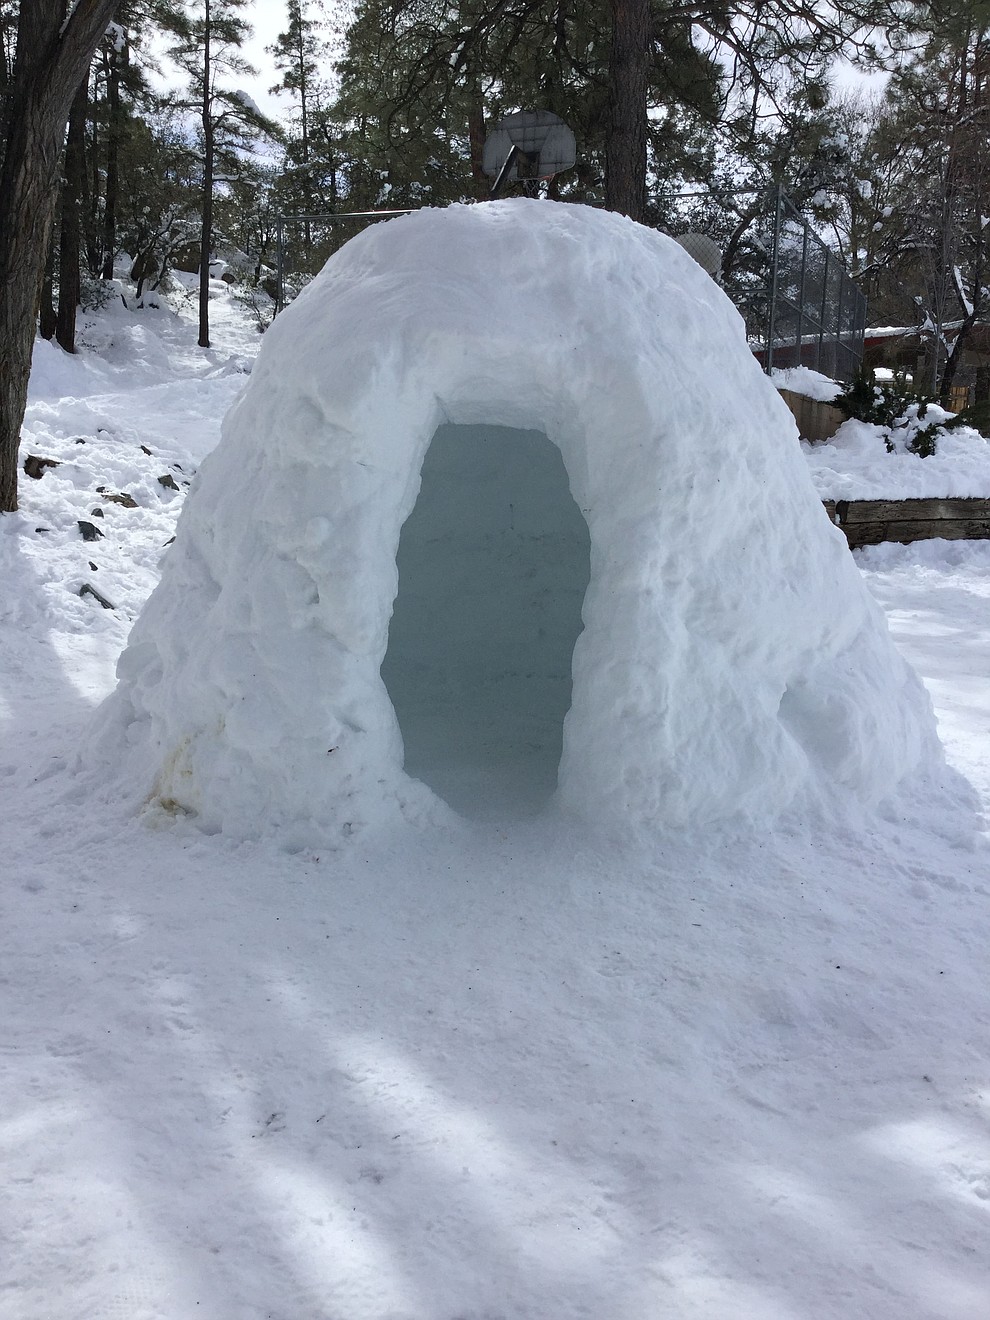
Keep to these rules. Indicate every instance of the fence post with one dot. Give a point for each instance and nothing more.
(805, 240)
(774, 257)
(840, 346)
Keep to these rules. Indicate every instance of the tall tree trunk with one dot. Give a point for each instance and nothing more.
(70, 240)
(94, 179)
(206, 235)
(53, 54)
(954, 360)
(476, 141)
(113, 170)
(625, 133)
(304, 133)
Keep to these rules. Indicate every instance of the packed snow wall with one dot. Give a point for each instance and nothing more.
(730, 656)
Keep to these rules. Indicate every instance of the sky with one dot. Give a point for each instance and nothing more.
(268, 19)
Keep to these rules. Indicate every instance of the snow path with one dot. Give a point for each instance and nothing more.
(487, 1074)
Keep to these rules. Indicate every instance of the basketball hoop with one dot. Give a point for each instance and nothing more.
(530, 144)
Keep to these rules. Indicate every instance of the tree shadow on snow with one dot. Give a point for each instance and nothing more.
(525, 1075)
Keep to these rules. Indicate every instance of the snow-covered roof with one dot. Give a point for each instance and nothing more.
(912, 331)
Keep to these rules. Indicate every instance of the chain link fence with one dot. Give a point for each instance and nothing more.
(815, 314)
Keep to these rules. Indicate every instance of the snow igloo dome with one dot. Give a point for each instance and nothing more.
(508, 515)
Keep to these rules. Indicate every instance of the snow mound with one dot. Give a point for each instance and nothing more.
(856, 465)
(730, 657)
(55, 373)
(139, 349)
(804, 381)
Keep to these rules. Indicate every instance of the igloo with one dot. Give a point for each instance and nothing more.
(508, 518)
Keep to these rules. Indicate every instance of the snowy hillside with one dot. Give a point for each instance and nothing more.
(492, 1071)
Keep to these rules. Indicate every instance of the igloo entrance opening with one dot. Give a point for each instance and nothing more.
(493, 565)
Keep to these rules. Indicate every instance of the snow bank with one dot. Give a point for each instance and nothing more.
(731, 656)
(139, 350)
(855, 465)
(112, 337)
(804, 381)
(55, 373)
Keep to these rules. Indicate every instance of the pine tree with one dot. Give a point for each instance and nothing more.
(930, 189)
(297, 53)
(160, 206)
(641, 82)
(301, 55)
(229, 120)
(123, 100)
(90, 174)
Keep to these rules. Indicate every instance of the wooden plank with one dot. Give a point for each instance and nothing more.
(868, 511)
(870, 522)
(948, 529)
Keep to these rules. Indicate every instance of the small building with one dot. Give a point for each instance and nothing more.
(908, 351)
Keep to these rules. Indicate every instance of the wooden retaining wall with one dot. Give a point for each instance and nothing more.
(816, 421)
(868, 522)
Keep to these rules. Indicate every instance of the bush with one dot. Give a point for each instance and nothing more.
(897, 410)
(95, 294)
(977, 415)
(258, 304)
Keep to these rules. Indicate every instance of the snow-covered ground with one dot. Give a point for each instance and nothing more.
(486, 1072)
(855, 464)
(864, 461)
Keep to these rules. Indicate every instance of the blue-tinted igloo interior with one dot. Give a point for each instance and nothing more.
(493, 565)
(508, 516)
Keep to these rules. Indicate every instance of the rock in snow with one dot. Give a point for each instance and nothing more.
(730, 660)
